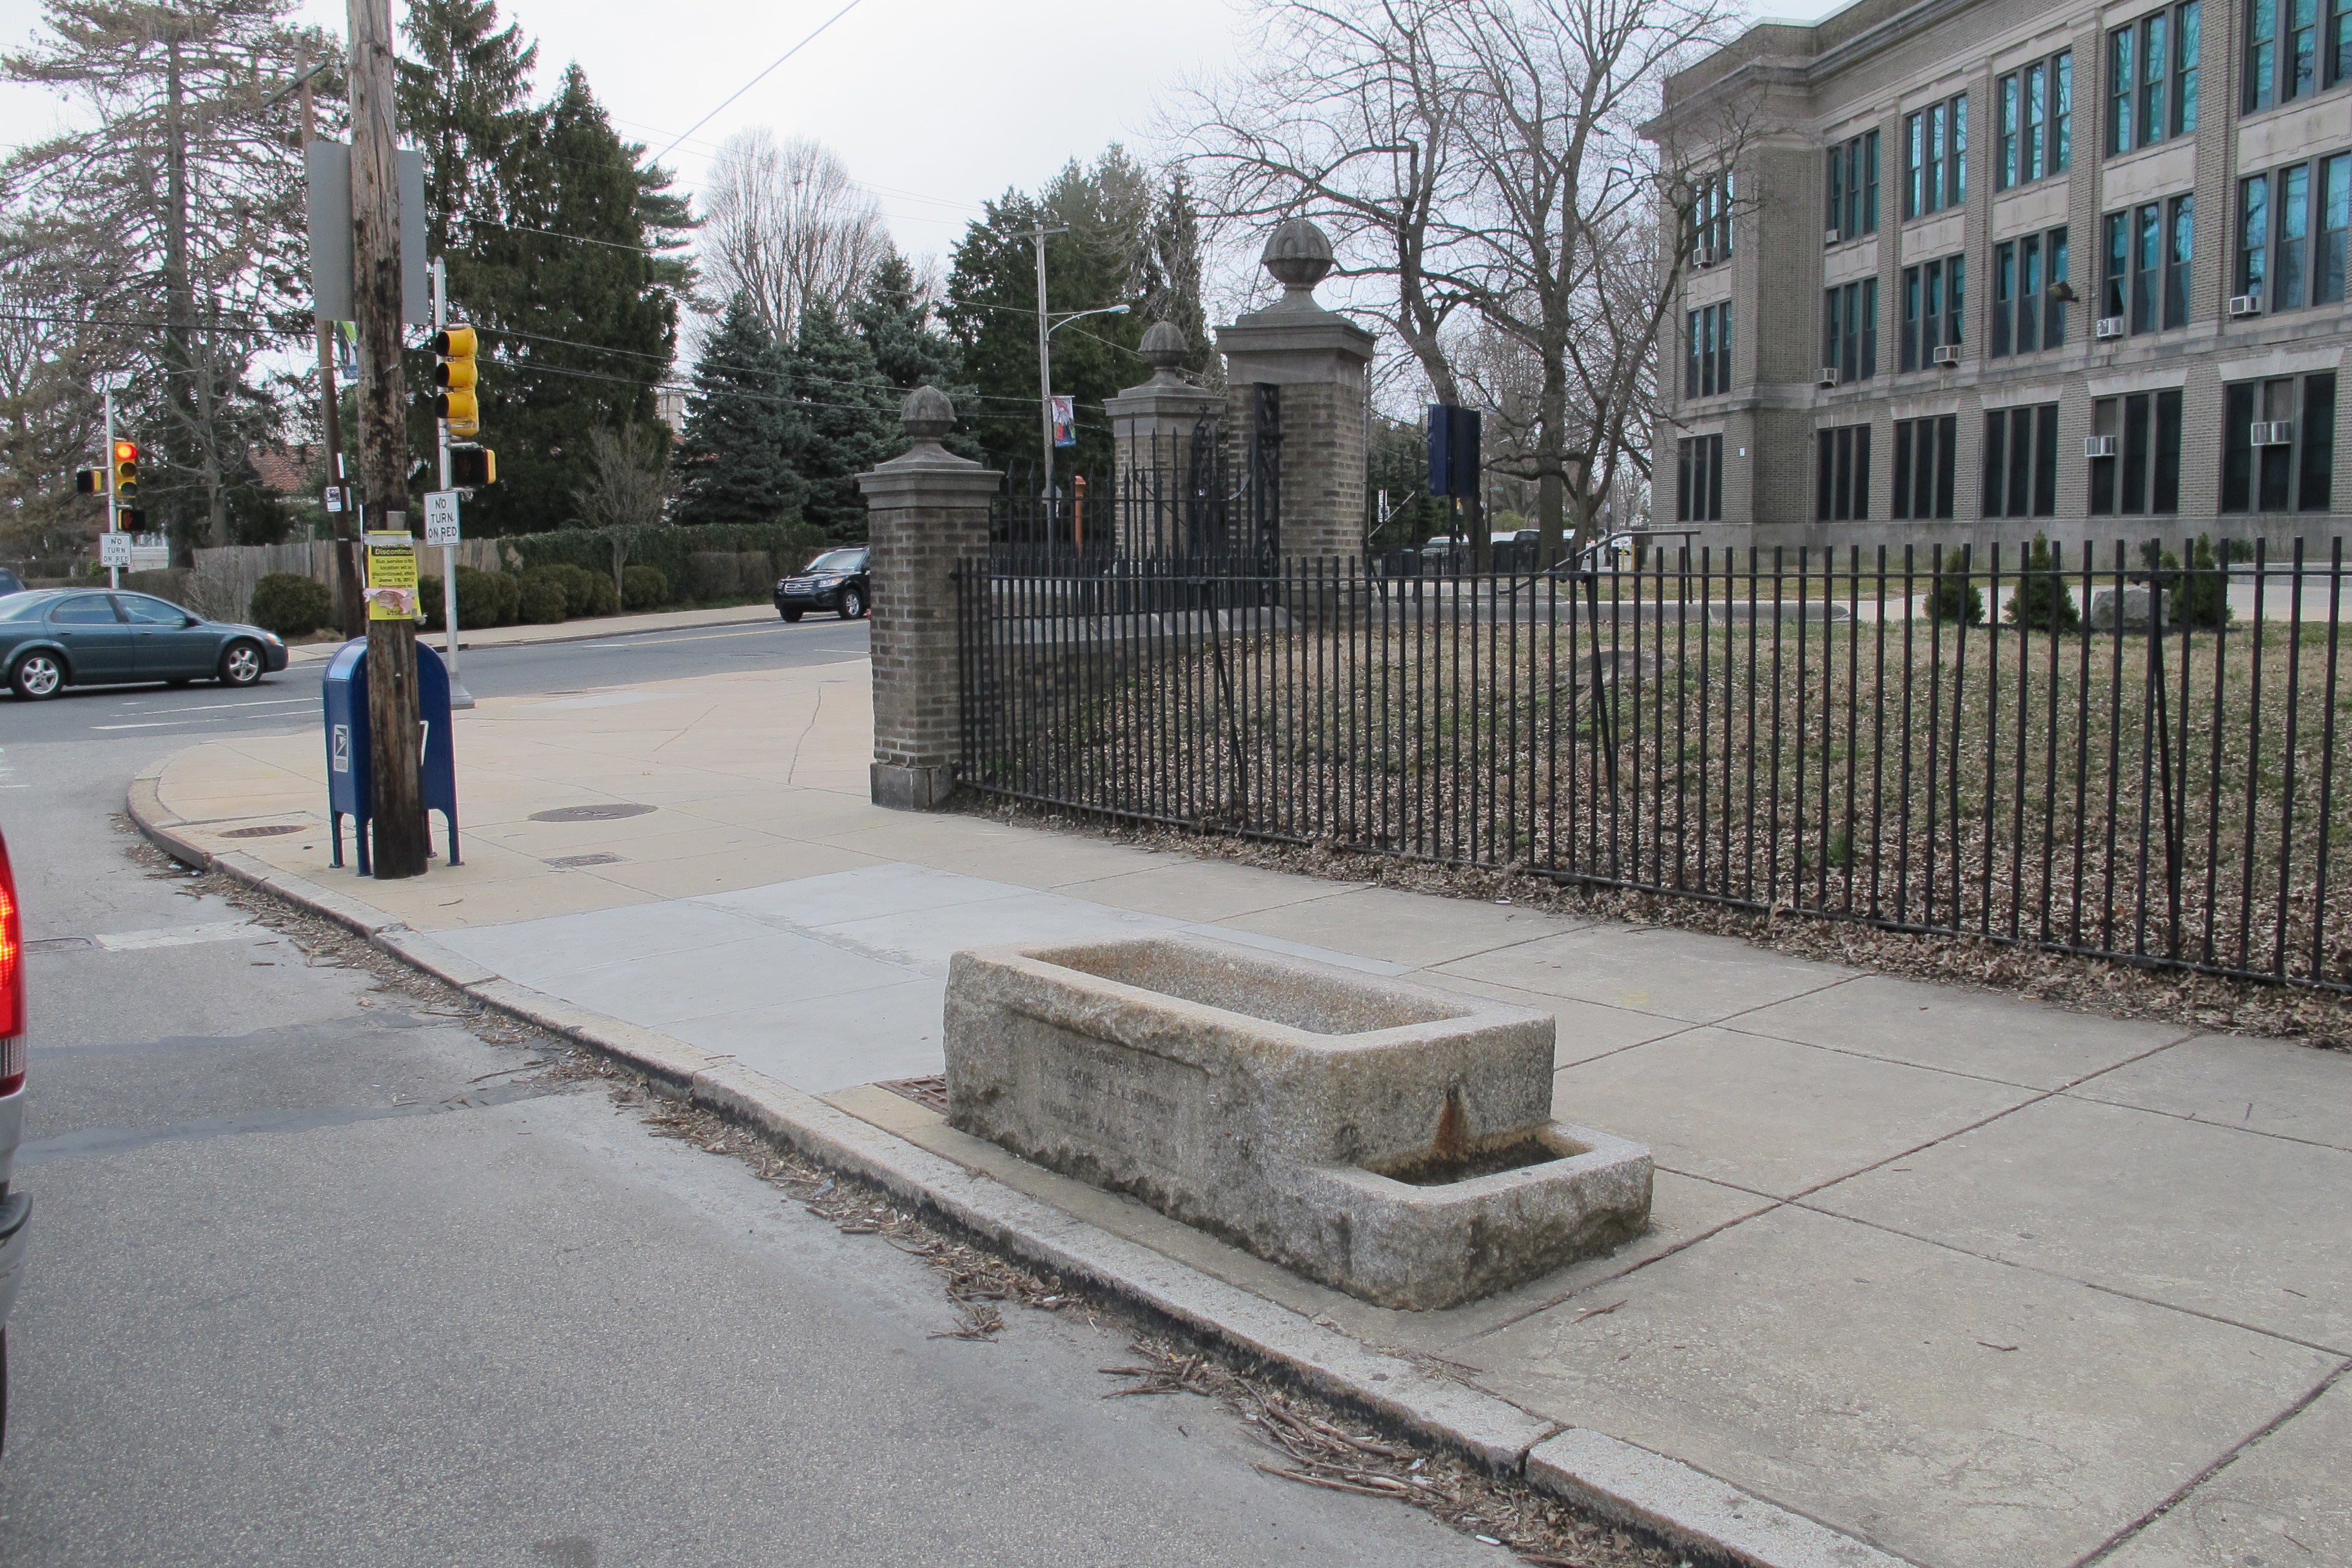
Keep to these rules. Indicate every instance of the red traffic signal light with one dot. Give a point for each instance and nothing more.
(126, 469)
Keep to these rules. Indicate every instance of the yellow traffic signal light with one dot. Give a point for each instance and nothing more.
(471, 468)
(456, 375)
(126, 471)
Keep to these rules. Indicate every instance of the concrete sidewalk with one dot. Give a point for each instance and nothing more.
(1980, 1282)
(586, 630)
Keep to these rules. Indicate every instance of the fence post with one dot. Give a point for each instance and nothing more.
(926, 511)
(1152, 426)
(1313, 361)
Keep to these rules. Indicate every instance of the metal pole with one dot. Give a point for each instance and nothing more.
(1044, 365)
(113, 501)
(459, 696)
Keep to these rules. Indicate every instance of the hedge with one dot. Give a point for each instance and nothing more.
(775, 549)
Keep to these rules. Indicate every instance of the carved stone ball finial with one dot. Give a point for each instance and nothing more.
(1164, 347)
(1298, 255)
(927, 415)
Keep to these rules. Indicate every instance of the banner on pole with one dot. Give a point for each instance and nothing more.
(1065, 421)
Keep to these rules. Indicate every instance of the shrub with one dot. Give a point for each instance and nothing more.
(290, 604)
(1957, 598)
(602, 599)
(540, 600)
(483, 598)
(644, 588)
(579, 586)
(428, 603)
(2202, 599)
(2041, 602)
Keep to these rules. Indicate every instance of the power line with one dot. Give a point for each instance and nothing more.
(755, 81)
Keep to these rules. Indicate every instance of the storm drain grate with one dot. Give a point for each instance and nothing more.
(270, 832)
(568, 861)
(591, 813)
(58, 944)
(930, 1093)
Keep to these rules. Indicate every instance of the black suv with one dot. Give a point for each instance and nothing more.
(835, 580)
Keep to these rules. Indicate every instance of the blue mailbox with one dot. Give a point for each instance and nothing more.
(349, 782)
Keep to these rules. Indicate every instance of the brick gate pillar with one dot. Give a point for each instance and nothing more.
(1299, 369)
(1152, 426)
(927, 512)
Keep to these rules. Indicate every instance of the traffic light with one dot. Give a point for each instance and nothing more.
(126, 472)
(131, 519)
(471, 468)
(456, 378)
(90, 482)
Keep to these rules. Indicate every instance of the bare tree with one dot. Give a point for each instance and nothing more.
(1352, 117)
(625, 489)
(786, 225)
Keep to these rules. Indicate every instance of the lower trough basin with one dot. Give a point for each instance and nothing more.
(1390, 1139)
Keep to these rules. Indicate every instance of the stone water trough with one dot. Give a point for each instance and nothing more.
(1390, 1139)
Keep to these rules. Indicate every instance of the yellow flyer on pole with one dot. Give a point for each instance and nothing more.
(391, 591)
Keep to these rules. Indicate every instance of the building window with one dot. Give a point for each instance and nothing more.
(2278, 444)
(2340, 51)
(2152, 79)
(2020, 461)
(1925, 461)
(2283, 256)
(1936, 157)
(1699, 480)
(2028, 316)
(1854, 188)
(2149, 249)
(2141, 472)
(1931, 310)
(2037, 122)
(1850, 335)
(1710, 221)
(1707, 367)
(1842, 490)
(2284, 48)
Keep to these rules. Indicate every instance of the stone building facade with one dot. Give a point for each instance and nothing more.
(1967, 270)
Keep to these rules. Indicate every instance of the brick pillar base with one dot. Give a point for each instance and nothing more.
(926, 513)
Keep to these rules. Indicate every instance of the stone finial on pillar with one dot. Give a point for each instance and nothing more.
(1153, 428)
(927, 513)
(1315, 361)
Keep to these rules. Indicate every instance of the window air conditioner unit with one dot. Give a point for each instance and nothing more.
(2245, 305)
(1829, 375)
(2273, 433)
(1946, 353)
(2098, 446)
(1829, 236)
(2108, 327)
(1706, 256)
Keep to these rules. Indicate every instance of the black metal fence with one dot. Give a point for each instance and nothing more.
(2117, 755)
(1197, 497)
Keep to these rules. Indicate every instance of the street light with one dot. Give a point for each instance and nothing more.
(1047, 325)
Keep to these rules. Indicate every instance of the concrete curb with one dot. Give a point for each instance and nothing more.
(1709, 1519)
(318, 653)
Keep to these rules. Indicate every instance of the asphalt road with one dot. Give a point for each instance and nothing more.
(317, 1275)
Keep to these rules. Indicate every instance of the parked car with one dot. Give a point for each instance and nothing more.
(51, 638)
(14, 1205)
(835, 580)
(10, 583)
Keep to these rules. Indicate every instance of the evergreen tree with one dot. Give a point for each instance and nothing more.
(2039, 601)
(992, 302)
(844, 420)
(1172, 276)
(733, 464)
(579, 305)
(895, 319)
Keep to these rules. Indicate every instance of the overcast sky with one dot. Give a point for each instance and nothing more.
(934, 104)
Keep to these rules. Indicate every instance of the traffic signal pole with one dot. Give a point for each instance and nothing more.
(448, 552)
(113, 501)
(396, 741)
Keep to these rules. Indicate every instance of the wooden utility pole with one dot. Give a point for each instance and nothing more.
(350, 613)
(395, 751)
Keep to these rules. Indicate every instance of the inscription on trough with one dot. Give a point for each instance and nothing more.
(1388, 1139)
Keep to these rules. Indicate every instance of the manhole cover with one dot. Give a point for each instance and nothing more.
(58, 944)
(568, 861)
(590, 813)
(270, 832)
